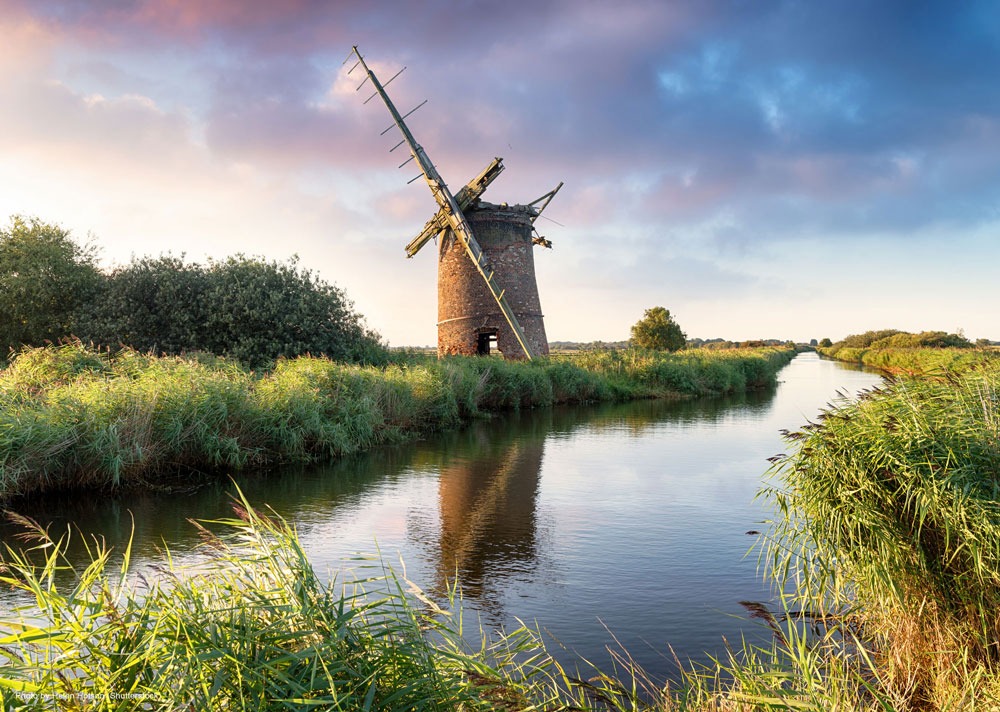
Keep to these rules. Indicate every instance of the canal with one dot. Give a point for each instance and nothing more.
(627, 520)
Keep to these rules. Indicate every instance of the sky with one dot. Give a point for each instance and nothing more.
(767, 169)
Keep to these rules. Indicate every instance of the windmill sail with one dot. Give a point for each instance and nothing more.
(450, 208)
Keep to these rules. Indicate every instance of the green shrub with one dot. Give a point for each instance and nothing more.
(44, 278)
(241, 307)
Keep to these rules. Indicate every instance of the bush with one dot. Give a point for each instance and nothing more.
(44, 277)
(896, 339)
(241, 307)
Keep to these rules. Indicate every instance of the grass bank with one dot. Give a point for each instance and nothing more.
(889, 533)
(916, 361)
(71, 417)
(928, 353)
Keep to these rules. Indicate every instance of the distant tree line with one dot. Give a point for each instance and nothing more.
(897, 339)
(242, 307)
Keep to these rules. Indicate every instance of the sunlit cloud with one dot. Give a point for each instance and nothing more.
(706, 148)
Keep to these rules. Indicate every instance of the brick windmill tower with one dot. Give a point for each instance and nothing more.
(487, 292)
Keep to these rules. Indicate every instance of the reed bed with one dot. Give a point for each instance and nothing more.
(72, 417)
(916, 361)
(251, 627)
(690, 372)
(888, 536)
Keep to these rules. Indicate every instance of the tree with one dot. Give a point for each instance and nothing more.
(152, 304)
(657, 330)
(242, 307)
(44, 278)
(258, 311)
(825, 343)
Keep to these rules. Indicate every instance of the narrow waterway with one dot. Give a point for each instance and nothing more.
(629, 520)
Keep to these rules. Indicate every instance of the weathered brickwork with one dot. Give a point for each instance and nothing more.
(466, 309)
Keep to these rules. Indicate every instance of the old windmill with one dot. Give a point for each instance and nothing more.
(486, 270)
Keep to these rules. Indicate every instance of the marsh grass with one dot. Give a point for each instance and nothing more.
(250, 626)
(888, 512)
(72, 417)
(932, 362)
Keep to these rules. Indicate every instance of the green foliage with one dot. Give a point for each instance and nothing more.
(44, 277)
(153, 304)
(890, 514)
(895, 339)
(242, 307)
(73, 417)
(250, 628)
(825, 343)
(924, 340)
(865, 340)
(657, 330)
(930, 353)
(258, 311)
(928, 362)
(692, 372)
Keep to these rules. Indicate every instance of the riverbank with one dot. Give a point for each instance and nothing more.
(915, 361)
(890, 536)
(74, 418)
(928, 353)
(888, 524)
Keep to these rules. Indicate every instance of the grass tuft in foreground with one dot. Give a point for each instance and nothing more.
(250, 628)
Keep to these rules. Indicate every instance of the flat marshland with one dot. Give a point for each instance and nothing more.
(72, 417)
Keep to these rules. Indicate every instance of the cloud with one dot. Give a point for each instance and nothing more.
(698, 141)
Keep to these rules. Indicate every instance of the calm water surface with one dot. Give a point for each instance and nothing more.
(628, 519)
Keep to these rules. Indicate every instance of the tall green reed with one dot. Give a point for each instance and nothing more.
(889, 512)
(73, 417)
(251, 626)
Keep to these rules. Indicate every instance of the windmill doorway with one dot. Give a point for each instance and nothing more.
(485, 342)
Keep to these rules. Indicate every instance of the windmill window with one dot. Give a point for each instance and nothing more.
(485, 341)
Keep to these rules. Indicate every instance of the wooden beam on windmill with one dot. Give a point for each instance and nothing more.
(544, 200)
(438, 225)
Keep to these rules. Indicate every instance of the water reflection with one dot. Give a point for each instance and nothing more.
(630, 515)
(483, 530)
(488, 512)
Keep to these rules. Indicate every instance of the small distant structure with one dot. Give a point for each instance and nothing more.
(487, 292)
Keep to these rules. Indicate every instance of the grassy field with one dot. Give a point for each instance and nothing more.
(71, 417)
